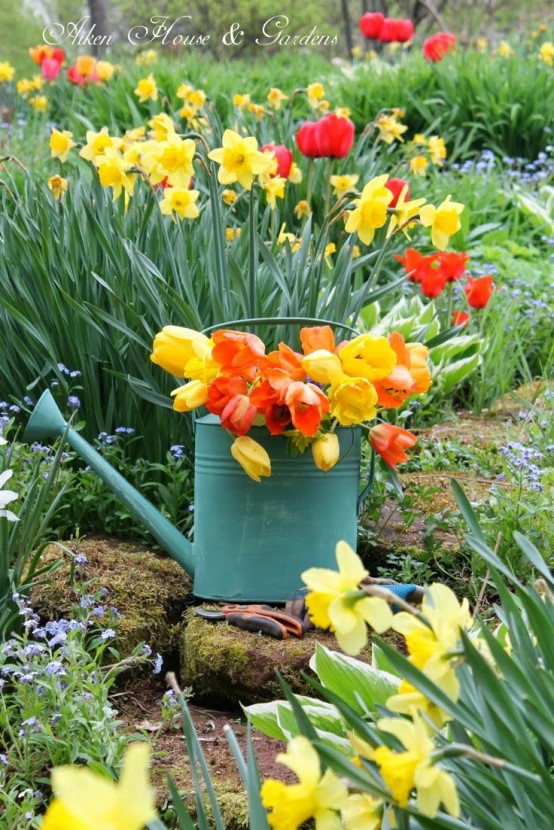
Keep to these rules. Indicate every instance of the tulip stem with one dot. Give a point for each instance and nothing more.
(449, 298)
(328, 187)
(309, 180)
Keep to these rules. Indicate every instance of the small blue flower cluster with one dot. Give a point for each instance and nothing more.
(522, 464)
(72, 373)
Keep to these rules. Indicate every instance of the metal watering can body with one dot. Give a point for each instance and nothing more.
(251, 540)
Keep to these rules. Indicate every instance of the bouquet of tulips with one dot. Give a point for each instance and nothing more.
(301, 396)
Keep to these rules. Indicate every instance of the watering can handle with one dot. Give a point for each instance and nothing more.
(299, 321)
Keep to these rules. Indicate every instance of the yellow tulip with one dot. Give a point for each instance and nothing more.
(173, 348)
(353, 400)
(368, 357)
(190, 396)
(322, 366)
(252, 457)
(326, 451)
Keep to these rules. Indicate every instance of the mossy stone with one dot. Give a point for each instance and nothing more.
(226, 666)
(149, 591)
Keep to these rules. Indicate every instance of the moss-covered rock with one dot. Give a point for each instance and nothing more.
(225, 665)
(149, 591)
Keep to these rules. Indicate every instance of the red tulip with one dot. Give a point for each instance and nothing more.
(58, 55)
(436, 46)
(306, 139)
(388, 30)
(478, 292)
(404, 30)
(50, 69)
(453, 265)
(460, 318)
(418, 266)
(75, 77)
(238, 415)
(284, 158)
(396, 186)
(370, 24)
(390, 442)
(334, 136)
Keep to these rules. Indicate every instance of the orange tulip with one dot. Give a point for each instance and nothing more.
(221, 390)
(390, 442)
(286, 361)
(238, 415)
(277, 418)
(317, 337)
(237, 352)
(307, 404)
(410, 376)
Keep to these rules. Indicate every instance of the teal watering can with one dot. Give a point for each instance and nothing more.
(252, 540)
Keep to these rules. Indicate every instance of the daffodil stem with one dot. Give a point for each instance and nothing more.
(252, 254)
(465, 751)
(372, 277)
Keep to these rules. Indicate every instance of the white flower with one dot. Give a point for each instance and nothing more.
(6, 496)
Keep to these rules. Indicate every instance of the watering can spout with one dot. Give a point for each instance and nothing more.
(47, 421)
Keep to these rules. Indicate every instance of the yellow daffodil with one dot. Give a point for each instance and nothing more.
(24, 87)
(253, 459)
(546, 53)
(370, 210)
(430, 645)
(183, 91)
(146, 58)
(403, 212)
(505, 50)
(330, 249)
(362, 812)
(96, 146)
(418, 165)
(197, 97)
(342, 184)
(356, 252)
(7, 71)
(334, 601)
(295, 174)
(326, 451)
(39, 102)
(302, 208)
(105, 71)
(342, 112)
(171, 160)
(190, 396)
(113, 172)
(162, 126)
(353, 400)
(175, 346)
(274, 188)
(419, 138)
(356, 52)
(60, 144)
(258, 110)
(146, 89)
(444, 221)
(275, 98)
(136, 134)
(232, 233)
(409, 699)
(390, 129)
(482, 44)
(180, 201)
(402, 771)
(229, 197)
(315, 796)
(85, 800)
(315, 92)
(241, 101)
(369, 357)
(58, 186)
(437, 150)
(240, 160)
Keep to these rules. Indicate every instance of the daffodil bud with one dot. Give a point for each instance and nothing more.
(252, 457)
(326, 451)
